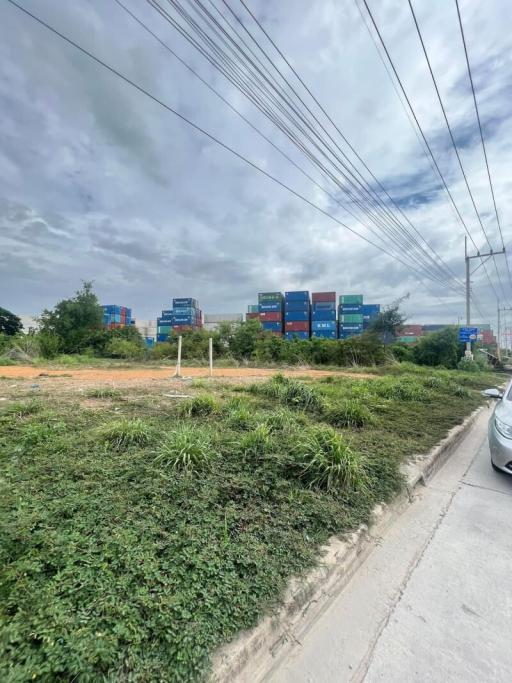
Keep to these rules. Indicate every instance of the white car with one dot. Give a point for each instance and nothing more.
(500, 429)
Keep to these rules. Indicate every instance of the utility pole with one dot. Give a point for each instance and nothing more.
(468, 258)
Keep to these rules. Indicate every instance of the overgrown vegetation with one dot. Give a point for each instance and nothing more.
(138, 538)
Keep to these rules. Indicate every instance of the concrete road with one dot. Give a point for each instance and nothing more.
(433, 602)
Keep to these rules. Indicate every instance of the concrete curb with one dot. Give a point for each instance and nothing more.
(253, 653)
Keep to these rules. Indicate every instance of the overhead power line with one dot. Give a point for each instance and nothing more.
(452, 138)
(242, 79)
(411, 109)
(198, 128)
(236, 111)
(482, 138)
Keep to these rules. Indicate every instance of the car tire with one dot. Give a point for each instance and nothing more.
(496, 468)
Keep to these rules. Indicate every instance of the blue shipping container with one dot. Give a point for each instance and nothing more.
(325, 334)
(323, 315)
(187, 302)
(184, 320)
(184, 310)
(297, 335)
(162, 337)
(371, 309)
(271, 307)
(296, 296)
(150, 341)
(296, 316)
(168, 320)
(324, 325)
(296, 305)
(167, 312)
(274, 326)
(324, 305)
(350, 308)
(351, 327)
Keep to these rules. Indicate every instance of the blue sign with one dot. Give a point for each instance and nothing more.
(468, 334)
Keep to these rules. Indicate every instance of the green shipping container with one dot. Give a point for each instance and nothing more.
(408, 340)
(351, 299)
(253, 308)
(270, 296)
(351, 318)
(164, 329)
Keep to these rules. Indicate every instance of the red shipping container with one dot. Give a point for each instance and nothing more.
(252, 316)
(323, 296)
(411, 331)
(297, 326)
(271, 316)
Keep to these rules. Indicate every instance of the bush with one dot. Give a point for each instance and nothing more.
(186, 448)
(348, 413)
(6, 361)
(403, 353)
(49, 345)
(123, 348)
(328, 463)
(440, 348)
(123, 433)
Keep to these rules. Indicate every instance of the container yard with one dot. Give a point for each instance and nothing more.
(184, 315)
(270, 311)
(350, 315)
(297, 315)
(117, 316)
(323, 315)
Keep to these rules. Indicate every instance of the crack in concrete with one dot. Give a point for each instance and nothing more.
(486, 488)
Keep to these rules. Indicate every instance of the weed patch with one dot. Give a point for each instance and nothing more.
(124, 433)
(186, 448)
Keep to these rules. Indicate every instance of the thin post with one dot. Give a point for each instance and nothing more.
(468, 295)
(178, 364)
(499, 335)
(210, 355)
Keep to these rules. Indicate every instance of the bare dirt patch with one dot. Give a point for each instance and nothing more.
(140, 376)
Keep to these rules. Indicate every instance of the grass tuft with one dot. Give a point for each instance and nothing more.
(199, 406)
(103, 392)
(186, 448)
(258, 442)
(348, 413)
(123, 433)
(329, 463)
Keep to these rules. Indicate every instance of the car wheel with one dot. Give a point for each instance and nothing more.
(496, 469)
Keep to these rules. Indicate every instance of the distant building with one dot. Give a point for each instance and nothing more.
(213, 320)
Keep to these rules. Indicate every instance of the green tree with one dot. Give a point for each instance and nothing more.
(243, 338)
(10, 324)
(74, 321)
(389, 321)
(439, 348)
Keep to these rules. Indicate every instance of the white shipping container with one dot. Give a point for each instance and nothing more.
(223, 317)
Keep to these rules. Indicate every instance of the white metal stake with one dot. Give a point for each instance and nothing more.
(178, 364)
(210, 355)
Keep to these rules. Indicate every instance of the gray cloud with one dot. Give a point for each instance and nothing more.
(100, 183)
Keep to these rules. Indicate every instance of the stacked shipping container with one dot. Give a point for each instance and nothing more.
(270, 307)
(253, 311)
(297, 315)
(117, 316)
(184, 315)
(323, 315)
(370, 313)
(350, 315)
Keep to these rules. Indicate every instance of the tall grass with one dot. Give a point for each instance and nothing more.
(348, 413)
(327, 462)
(123, 433)
(187, 447)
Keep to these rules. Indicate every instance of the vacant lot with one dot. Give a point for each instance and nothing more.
(141, 529)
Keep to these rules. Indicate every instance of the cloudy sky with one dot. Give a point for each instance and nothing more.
(98, 182)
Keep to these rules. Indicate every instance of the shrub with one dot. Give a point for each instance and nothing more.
(123, 433)
(299, 395)
(328, 463)
(124, 348)
(199, 406)
(49, 344)
(461, 392)
(186, 448)
(348, 413)
(433, 383)
(6, 361)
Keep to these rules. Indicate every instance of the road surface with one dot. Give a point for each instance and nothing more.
(433, 602)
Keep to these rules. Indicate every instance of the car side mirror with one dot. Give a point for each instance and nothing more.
(493, 393)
